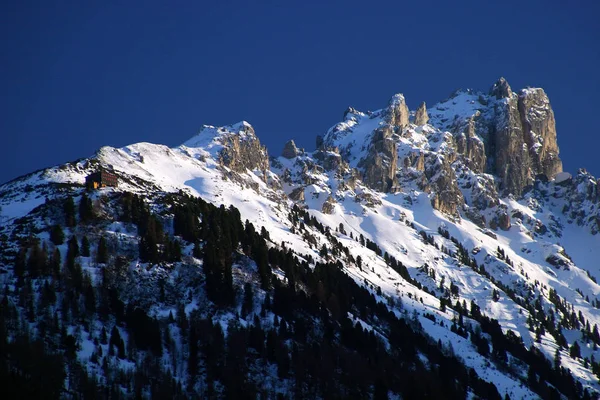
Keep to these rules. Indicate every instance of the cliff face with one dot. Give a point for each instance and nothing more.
(466, 151)
(397, 112)
(523, 133)
(539, 132)
(380, 165)
(243, 151)
(510, 156)
(421, 117)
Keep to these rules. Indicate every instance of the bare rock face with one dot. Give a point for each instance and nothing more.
(396, 113)
(379, 167)
(469, 144)
(421, 117)
(328, 206)
(330, 158)
(539, 132)
(243, 151)
(501, 89)
(511, 162)
(522, 138)
(475, 217)
(483, 192)
(476, 158)
(504, 221)
(447, 196)
(290, 150)
(297, 194)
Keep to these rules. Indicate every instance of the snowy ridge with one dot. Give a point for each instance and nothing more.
(550, 245)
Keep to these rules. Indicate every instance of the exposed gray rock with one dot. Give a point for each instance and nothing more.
(367, 199)
(297, 195)
(290, 150)
(476, 158)
(396, 113)
(539, 132)
(244, 152)
(330, 158)
(475, 216)
(509, 151)
(419, 162)
(349, 110)
(421, 117)
(501, 89)
(379, 167)
(447, 196)
(483, 192)
(504, 221)
(328, 206)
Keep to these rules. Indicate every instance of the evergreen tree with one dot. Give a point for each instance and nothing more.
(102, 253)
(37, 261)
(55, 262)
(85, 247)
(69, 211)
(57, 236)
(575, 350)
(20, 264)
(248, 302)
(86, 210)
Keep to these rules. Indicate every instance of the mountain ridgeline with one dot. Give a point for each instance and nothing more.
(435, 253)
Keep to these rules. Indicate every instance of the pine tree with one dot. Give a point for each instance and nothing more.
(57, 236)
(557, 360)
(248, 302)
(20, 264)
(38, 260)
(85, 247)
(86, 210)
(69, 211)
(575, 350)
(55, 262)
(102, 252)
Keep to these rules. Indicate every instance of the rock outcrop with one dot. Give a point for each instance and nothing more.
(297, 194)
(539, 132)
(242, 152)
(509, 153)
(396, 113)
(421, 117)
(447, 196)
(328, 206)
(290, 150)
(501, 89)
(523, 138)
(379, 167)
(470, 145)
(330, 159)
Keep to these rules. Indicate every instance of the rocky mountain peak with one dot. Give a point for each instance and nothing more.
(396, 113)
(539, 131)
(234, 146)
(501, 89)
(421, 117)
(290, 150)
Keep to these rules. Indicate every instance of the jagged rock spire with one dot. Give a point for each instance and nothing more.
(397, 111)
(290, 150)
(501, 89)
(421, 117)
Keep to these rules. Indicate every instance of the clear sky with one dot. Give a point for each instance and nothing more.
(77, 75)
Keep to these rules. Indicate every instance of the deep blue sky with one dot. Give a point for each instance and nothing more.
(75, 76)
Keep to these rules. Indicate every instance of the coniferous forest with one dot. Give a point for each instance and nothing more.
(120, 297)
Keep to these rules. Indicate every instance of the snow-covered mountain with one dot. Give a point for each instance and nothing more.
(452, 218)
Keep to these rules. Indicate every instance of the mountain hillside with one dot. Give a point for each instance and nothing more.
(434, 253)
